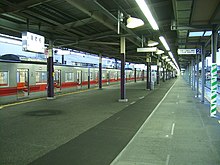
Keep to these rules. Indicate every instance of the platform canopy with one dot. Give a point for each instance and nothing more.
(92, 25)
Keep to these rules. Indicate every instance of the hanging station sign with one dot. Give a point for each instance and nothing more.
(189, 51)
(32, 42)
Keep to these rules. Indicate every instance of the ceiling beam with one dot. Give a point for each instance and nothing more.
(15, 7)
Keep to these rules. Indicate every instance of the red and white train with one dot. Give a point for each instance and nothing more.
(23, 79)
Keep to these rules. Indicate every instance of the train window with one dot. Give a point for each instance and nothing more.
(41, 77)
(69, 77)
(3, 78)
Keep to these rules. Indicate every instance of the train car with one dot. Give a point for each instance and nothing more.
(25, 80)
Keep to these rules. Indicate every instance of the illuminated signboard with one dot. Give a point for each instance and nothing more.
(189, 51)
(32, 42)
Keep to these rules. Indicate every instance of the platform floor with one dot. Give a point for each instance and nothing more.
(93, 128)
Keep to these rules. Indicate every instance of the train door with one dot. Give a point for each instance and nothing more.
(23, 89)
(57, 81)
(108, 77)
(79, 77)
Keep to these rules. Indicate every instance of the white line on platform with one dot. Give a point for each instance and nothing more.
(172, 129)
(133, 102)
(142, 97)
(120, 154)
(168, 159)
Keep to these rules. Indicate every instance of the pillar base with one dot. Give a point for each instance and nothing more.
(123, 100)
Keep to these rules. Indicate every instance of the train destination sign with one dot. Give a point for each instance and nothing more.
(189, 51)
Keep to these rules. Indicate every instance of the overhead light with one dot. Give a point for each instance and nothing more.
(159, 51)
(143, 6)
(164, 57)
(134, 22)
(171, 54)
(167, 60)
(164, 42)
(150, 49)
(152, 43)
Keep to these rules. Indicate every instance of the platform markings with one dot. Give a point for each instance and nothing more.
(168, 159)
(117, 118)
(133, 102)
(172, 129)
(142, 97)
(142, 126)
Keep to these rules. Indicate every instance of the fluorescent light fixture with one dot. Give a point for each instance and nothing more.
(164, 57)
(167, 60)
(171, 54)
(143, 6)
(196, 34)
(150, 49)
(152, 43)
(208, 33)
(159, 51)
(164, 42)
(134, 22)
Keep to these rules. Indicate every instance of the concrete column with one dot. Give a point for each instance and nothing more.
(214, 42)
(214, 86)
(158, 71)
(123, 90)
(50, 72)
(63, 61)
(203, 74)
(148, 76)
(142, 73)
(100, 71)
(197, 76)
(135, 75)
(164, 71)
(88, 78)
(193, 76)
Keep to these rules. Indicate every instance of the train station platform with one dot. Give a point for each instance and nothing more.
(165, 126)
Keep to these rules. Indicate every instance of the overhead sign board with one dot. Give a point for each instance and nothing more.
(151, 49)
(189, 51)
(32, 42)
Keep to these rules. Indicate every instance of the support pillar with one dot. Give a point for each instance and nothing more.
(148, 83)
(203, 74)
(50, 72)
(63, 61)
(123, 92)
(164, 71)
(135, 75)
(197, 76)
(100, 71)
(193, 75)
(158, 71)
(214, 86)
(142, 73)
(88, 78)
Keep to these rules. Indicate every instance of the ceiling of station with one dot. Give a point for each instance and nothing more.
(91, 25)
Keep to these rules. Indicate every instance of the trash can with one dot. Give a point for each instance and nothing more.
(152, 85)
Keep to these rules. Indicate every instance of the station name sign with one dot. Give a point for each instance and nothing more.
(150, 49)
(32, 42)
(189, 51)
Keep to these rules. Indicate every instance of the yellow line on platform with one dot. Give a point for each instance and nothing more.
(43, 98)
